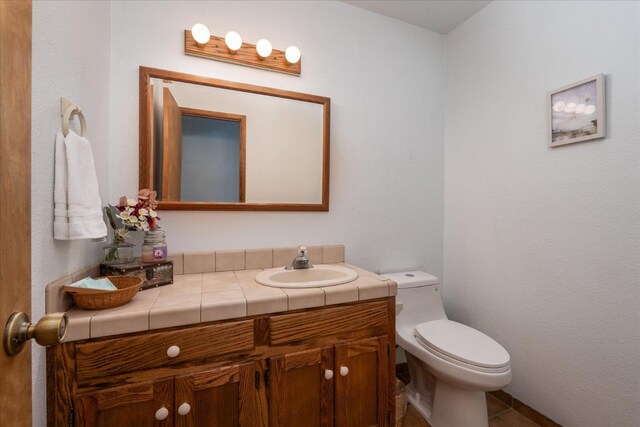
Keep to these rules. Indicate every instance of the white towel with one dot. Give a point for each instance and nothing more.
(60, 214)
(76, 198)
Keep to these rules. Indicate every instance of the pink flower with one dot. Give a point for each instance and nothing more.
(122, 201)
(152, 200)
(148, 198)
(144, 194)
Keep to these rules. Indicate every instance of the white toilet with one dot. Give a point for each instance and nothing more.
(451, 365)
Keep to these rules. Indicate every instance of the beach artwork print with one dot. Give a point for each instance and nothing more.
(577, 112)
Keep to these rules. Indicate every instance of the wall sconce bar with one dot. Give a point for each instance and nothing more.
(247, 55)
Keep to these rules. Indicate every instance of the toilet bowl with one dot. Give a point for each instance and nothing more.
(451, 365)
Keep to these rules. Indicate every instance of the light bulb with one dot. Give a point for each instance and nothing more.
(233, 41)
(200, 34)
(580, 108)
(264, 48)
(570, 107)
(559, 106)
(292, 54)
(590, 109)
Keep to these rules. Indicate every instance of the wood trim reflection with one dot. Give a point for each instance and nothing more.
(150, 120)
(171, 147)
(146, 144)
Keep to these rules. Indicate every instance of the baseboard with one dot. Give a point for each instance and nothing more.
(402, 372)
(529, 412)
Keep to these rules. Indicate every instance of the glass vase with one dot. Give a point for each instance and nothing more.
(118, 252)
(154, 247)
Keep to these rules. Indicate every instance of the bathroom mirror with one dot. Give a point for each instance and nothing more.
(210, 144)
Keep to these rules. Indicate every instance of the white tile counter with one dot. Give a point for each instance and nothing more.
(206, 297)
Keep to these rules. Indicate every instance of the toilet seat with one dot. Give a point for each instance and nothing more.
(462, 345)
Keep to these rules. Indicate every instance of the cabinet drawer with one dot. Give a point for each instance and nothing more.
(288, 328)
(153, 350)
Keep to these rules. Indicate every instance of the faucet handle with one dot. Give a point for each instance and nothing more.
(302, 250)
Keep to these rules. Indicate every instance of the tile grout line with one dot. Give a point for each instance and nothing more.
(246, 302)
(504, 411)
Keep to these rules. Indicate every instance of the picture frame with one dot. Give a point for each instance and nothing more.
(576, 112)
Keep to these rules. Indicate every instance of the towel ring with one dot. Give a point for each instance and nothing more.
(71, 111)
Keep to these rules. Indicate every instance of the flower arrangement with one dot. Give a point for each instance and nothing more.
(131, 215)
(139, 214)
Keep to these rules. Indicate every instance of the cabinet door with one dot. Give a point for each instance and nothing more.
(362, 383)
(138, 405)
(301, 389)
(221, 397)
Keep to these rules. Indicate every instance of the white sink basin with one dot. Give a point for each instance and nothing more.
(316, 277)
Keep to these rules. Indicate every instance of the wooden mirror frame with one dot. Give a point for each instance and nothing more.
(145, 173)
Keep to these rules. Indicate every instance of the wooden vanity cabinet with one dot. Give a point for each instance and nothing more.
(300, 388)
(220, 397)
(224, 397)
(130, 405)
(362, 391)
(344, 385)
(335, 370)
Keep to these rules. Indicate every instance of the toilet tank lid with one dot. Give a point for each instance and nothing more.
(412, 279)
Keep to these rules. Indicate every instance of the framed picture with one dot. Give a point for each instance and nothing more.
(576, 112)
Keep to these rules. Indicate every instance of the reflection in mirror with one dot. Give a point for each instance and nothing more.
(212, 144)
(213, 158)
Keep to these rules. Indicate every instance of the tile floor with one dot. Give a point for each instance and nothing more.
(500, 415)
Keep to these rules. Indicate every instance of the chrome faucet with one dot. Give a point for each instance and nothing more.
(301, 261)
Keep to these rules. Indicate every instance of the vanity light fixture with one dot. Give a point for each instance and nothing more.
(199, 42)
(264, 49)
(201, 34)
(233, 42)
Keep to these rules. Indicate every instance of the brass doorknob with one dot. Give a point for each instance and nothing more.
(49, 330)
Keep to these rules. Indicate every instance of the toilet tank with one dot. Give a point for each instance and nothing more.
(419, 298)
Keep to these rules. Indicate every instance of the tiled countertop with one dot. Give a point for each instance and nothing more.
(207, 297)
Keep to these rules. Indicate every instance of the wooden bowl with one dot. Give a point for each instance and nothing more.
(98, 299)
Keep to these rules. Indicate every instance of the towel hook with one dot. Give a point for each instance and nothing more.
(68, 110)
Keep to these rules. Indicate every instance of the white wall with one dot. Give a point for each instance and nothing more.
(386, 82)
(70, 58)
(542, 246)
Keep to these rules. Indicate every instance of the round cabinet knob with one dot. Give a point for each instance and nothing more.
(173, 351)
(328, 374)
(184, 409)
(344, 371)
(162, 414)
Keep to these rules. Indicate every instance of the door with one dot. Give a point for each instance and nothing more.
(301, 389)
(151, 130)
(362, 383)
(137, 405)
(224, 397)
(171, 147)
(15, 202)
